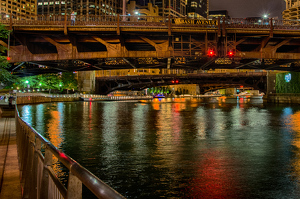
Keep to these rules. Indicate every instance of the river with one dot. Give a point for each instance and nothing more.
(179, 148)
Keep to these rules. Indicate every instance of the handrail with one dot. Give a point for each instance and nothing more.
(29, 143)
(147, 21)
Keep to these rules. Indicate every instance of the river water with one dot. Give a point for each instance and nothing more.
(179, 148)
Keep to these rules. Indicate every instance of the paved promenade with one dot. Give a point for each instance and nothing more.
(10, 186)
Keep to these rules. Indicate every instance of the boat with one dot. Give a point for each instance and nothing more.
(159, 96)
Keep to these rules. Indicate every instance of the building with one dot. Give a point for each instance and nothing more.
(174, 8)
(80, 7)
(292, 11)
(134, 9)
(21, 9)
(197, 9)
(218, 14)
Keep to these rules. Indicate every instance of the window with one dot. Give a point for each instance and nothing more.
(45, 3)
(194, 4)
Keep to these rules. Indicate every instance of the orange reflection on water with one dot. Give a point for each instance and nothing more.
(294, 123)
(54, 132)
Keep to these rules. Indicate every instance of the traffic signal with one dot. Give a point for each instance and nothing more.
(8, 58)
(211, 53)
(175, 81)
(230, 53)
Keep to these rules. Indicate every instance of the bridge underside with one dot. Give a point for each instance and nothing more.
(36, 50)
(206, 82)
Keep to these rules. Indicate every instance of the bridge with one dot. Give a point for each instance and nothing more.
(49, 43)
(206, 81)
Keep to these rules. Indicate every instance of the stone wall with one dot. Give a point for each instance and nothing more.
(289, 98)
(42, 99)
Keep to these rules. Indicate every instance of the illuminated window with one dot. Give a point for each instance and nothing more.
(194, 4)
(63, 3)
(40, 3)
(45, 3)
(51, 3)
(56, 2)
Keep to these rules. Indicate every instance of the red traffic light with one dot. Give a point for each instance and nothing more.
(230, 53)
(211, 53)
(7, 58)
(175, 81)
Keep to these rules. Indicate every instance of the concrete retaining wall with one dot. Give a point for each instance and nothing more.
(284, 98)
(42, 99)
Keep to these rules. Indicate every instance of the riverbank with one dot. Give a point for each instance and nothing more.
(287, 98)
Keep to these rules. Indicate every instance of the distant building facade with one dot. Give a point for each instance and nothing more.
(80, 7)
(218, 14)
(197, 9)
(21, 9)
(174, 8)
(292, 11)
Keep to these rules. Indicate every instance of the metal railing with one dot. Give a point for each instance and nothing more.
(37, 173)
(157, 21)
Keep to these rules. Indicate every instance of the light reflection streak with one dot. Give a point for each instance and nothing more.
(40, 117)
(54, 132)
(201, 122)
(294, 122)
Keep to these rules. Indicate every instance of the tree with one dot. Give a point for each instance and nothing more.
(6, 78)
(69, 81)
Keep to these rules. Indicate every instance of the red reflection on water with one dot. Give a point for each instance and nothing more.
(213, 178)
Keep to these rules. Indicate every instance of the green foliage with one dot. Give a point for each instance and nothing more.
(288, 87)
(68, 81)
(6, 77)
(48, 82)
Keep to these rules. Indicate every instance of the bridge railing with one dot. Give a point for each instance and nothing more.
(114, 20)
(38, 173)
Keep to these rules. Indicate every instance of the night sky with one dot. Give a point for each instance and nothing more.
(249, 8)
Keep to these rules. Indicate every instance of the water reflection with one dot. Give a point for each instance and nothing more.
(179, 148)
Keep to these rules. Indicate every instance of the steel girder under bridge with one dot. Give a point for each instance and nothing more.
(50, 44)
(206, 81)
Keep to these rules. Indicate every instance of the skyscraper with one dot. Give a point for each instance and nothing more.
(174, 8)
(292, 11)
(81, 7)
(197, 9)
(20, 9)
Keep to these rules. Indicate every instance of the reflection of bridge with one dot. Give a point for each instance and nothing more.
(128, 42)
(206, 81)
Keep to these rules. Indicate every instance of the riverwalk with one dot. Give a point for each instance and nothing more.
(10, 186)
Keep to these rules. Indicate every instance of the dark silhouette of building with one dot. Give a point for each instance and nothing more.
(218, 14)
(197, 9)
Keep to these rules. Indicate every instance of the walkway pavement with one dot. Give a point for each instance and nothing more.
(10, 187)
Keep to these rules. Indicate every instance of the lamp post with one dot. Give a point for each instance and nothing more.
(28, 86)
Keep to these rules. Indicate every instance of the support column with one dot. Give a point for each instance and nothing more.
(271, 82)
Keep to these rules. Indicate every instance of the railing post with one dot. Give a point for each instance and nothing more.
(74, 187)
(45, 177)
(118, 24)
(29, 165)
(10, 21)
(271, 27)
(223, 27)
(169, 25)
(34, 188)
(25, 152)
(219, 27)
(65, 25)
